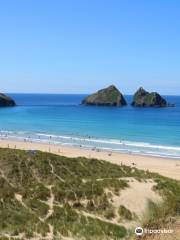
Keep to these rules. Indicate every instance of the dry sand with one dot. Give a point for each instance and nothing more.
(135, 198)
(164, 166)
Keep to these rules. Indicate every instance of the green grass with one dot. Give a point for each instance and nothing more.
(125, 213)
(159, 213)
(79, 186)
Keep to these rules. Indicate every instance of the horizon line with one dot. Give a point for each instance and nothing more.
(60, 93)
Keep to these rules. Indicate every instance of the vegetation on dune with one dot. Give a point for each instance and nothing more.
(43, 194)
(165, 214)
(125, 213)
(159, 213)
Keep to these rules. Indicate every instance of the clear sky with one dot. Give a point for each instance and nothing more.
(78, 46)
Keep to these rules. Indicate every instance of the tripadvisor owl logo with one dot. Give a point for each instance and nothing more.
(139, 231)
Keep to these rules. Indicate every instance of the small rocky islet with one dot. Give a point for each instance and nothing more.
(142, 98)
(111, 96)
(6, 101)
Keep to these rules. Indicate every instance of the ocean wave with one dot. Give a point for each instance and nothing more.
(115, 142)
(116, 145)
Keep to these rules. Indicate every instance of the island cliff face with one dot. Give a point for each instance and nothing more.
(109, 96)
(6, 101)
(142, 98)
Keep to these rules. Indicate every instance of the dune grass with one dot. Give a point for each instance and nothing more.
(64, 192)
(159, 214)
(125, 213)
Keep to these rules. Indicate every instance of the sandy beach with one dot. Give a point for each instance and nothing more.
(164, 166)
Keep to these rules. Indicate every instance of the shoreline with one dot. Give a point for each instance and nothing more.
(165, 166)
(102, 144)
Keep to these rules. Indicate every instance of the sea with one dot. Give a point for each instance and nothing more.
(60, 119)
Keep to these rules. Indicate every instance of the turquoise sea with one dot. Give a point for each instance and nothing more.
(60, 119)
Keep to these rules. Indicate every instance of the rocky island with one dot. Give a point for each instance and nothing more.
(142, 98)
(109, 96)
(6, 101)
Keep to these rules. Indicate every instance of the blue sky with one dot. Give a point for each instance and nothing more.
(79, 46)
